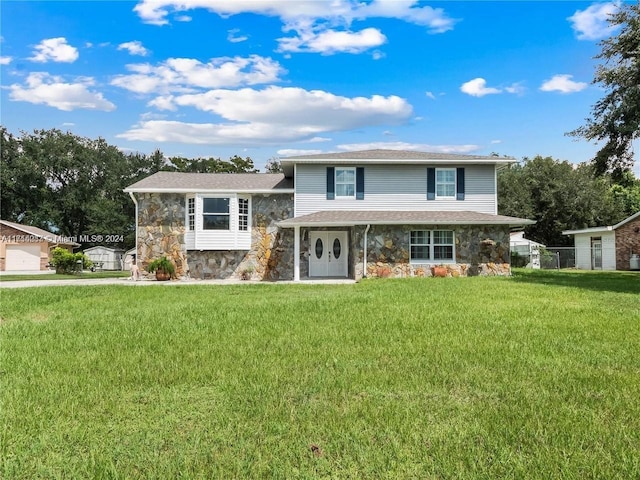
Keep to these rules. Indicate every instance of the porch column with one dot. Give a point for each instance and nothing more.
(296, 253)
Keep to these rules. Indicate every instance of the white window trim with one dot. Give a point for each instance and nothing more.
(455, 184)
(335, 183)
(248, 199)
(190, 215)
(431, 245)
(230, 214)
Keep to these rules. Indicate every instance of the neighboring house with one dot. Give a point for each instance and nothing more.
(105, 258)
(615, 247)
(25, 248)
(525, 248)
(369, 213)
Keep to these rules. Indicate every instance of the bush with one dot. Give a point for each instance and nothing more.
(66, 262)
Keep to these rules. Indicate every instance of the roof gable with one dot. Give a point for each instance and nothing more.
(382, 154)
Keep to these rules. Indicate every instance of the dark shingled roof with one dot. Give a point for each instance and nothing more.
(347, 218)
(381, 154)
(236, 182)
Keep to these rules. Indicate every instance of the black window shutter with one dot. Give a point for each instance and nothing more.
(460, 184)
(431, 183)
(360, 183)
(331, 183)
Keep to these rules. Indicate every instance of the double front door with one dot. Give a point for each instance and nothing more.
(329, 253)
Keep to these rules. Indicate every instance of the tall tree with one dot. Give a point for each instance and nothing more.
(615, 119)
(558, 195)
(235, 164)
(69, 184)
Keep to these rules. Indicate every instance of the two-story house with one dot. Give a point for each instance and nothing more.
(350, 215)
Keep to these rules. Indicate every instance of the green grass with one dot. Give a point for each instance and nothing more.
(535, 376)
(60, 276)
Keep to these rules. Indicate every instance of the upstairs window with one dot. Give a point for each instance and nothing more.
(346, 182)
(445, 183)
(215, 213)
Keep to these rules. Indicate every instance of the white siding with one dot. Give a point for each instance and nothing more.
(582, 242)
(190, 240)
(395, 187)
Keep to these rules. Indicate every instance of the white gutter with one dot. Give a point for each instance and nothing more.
(364, 257)
(133, 197)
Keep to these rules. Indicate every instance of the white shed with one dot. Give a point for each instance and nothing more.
(614, 247)
(526, 248)
(105, 258)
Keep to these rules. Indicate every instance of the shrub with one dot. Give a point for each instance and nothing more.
(162, 264)
(66, 262)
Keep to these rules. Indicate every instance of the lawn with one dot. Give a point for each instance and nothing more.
(63, 276)
(534, 376)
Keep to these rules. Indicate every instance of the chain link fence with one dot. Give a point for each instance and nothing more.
(549, 258)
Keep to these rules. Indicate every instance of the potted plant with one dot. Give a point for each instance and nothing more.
(439, 271)
(162, 267)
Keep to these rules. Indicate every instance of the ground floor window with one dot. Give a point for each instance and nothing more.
(432, 245)
(215, 213)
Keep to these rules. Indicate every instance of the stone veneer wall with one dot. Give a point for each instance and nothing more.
(479, 249)
(627, 240)
(161, 230)
(271, 254)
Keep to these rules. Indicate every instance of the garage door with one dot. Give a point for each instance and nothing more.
(23, 257)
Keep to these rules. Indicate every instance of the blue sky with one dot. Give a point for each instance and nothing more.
(271, 78)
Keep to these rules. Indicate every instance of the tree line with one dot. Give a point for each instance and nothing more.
(563, 196)
(73, 186)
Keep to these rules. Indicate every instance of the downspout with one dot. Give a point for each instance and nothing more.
(364, 256)
(133, 197)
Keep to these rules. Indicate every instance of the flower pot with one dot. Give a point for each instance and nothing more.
(162, 276)
(439, 271)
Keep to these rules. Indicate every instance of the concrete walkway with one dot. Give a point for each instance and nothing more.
(139, 283)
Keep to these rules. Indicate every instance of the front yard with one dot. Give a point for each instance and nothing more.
(535, 376)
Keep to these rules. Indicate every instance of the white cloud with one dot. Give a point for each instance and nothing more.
(377, 55)
(183, 18)
(478, 88)
(234, 37)
(314, 21)
(318, 140)
(591, 24)
(68, 124)
(515, 88)
(42, 88)
(134, 48)
(333, 41)
(271, 115)
(435, 19)
(562, 84)
(56, 50)
(184, 74)
(495, 142)
(5, 60)
(430, 95)
(419, 147)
